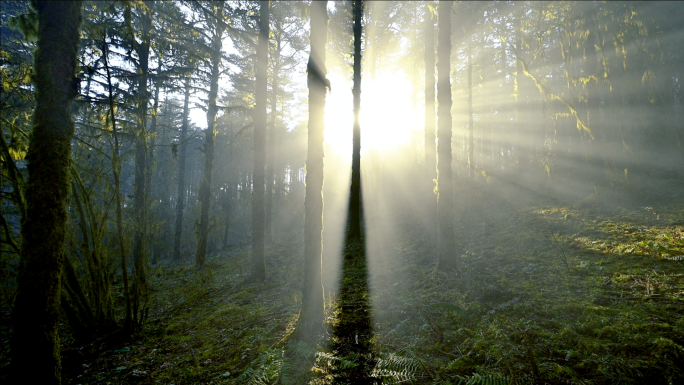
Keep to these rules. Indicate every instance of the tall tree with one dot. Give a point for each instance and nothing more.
(35, 342)
(355, 194)
(260, 99)
(215, 18)
(140, 290)
(471, 130)
(430, 155)
(312, 302)
(445, 201)
(182, 160)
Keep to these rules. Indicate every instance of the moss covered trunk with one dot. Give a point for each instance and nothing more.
(35, 342)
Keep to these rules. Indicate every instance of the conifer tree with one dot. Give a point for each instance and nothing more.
(312, 304)
(258, 262)
(445, 201)
(35, 342)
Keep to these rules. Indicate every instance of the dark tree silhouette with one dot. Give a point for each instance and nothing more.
(260, 97)
(35, 342)
(445, 201)
(355, 197)
(430, 155)
(139, 290)
(312, 302)
(182, 157)
(210, 135)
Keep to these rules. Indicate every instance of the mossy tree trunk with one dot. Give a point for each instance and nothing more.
(260, 96)
(445, 201)
(312, 304)
(355, 193)
(180, 202)
(35, 342)
(204, 193)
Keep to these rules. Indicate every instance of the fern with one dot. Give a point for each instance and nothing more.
(487, 379)
(264, 370)
(395, 369)
(297, 362)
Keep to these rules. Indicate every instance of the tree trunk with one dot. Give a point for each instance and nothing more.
(430, 155)
(140, 286)
(204, 193)
(260, 96)
(270, 154)
(116, 172)
(445, 201)
(520, 146)
(180, 204)
(471, 128)
(312, 301)
(35, 342)
(355, 194)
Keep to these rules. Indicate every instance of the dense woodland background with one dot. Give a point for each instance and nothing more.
(530, 233)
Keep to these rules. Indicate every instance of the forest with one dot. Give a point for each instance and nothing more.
(341, 192)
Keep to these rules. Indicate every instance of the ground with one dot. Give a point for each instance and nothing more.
(544, 293)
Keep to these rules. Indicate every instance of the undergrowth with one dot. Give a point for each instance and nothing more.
(544, 294)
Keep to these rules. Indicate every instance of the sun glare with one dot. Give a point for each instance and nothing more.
(387, 114)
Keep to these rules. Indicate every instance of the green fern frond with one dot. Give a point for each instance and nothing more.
(487, 379)
(264, 370)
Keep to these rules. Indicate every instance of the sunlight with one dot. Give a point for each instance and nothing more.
(387, 114)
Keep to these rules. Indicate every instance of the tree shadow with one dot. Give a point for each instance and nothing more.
(352, 331)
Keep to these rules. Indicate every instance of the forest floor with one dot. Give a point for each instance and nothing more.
(543, 294)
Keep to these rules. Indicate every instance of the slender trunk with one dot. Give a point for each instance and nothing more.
(430, 155)
(116, 171)
(445, 201)
(35, 317)
(371, 38)
(140, 289)
(258, 262)
(520, 147)
(271, 144)
(312, 303)
(355, 196)
(471, 129)
(204, 193)
(180, 204)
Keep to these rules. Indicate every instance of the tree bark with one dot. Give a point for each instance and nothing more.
(312, 301)
(430, 147)
(116, 172)
(140, 290)
(260, 96)
(471, 128)
(204, 193)
(355, 194)
(445, 201)
(35, 342)
(180, 203)
(270, 154)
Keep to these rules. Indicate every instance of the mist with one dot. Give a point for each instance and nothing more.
(342, 192)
